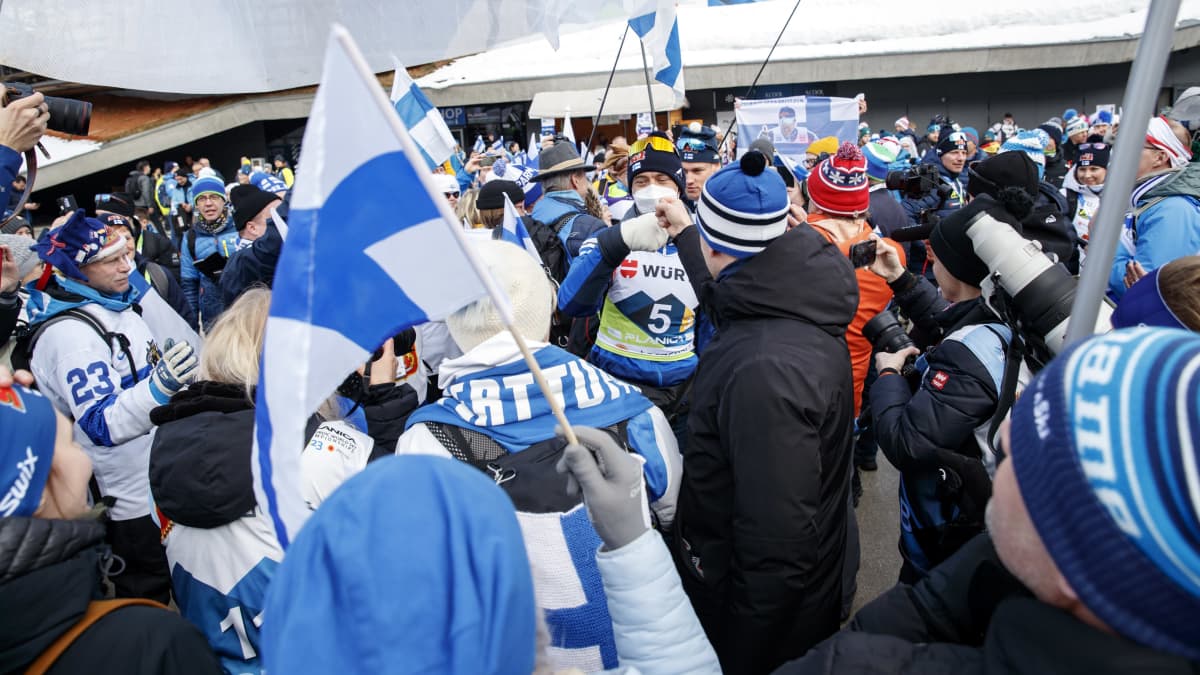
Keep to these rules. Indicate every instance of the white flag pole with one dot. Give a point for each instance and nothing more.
(280, 224)
(499, 299)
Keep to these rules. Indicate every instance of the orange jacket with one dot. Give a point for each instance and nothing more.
(873, 295)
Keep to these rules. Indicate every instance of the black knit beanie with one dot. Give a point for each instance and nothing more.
(952, 244)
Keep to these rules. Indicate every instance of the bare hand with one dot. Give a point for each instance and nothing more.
(10, 275)
(1133, 272)
(895, 361)
(796, 216)
(472, 165)
(383, 369)
(21, 377)
(672, 215)
(887, 261)
(23, 122)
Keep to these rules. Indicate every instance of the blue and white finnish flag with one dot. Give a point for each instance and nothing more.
(480, 146)
(423, 120)
(513, 230)
(659, 31)
(568, 131)
(498, 144)
(534, 149)
(357, 268)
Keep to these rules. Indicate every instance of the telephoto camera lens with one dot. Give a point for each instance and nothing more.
(885, 333)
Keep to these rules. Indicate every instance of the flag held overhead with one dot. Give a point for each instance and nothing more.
(421, 118)
(362, 210)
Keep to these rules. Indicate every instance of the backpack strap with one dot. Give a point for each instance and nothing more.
(1137, 213)
(191, 243)
(157, 276)
(108, 336)
(96, 610)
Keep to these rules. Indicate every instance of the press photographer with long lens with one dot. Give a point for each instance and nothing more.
(937, 436)
(22, 123)
(942, 176)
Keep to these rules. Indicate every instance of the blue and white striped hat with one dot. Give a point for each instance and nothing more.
(1106, 451)
(742, 207)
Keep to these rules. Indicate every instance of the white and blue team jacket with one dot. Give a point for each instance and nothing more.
(94, 384)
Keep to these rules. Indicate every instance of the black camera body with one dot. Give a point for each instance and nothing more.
(918, 181)
(67, 115)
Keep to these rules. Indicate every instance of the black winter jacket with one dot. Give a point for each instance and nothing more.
(251, 266)
(1050, 224)
(1056, 168)
(158, 248)
(971, 616)
(49, 572)
(763, 502)
(200, 472)
(929, 436)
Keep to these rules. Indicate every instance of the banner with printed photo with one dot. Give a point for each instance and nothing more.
(792, 123)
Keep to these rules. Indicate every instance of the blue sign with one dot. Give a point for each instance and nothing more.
(455, 117)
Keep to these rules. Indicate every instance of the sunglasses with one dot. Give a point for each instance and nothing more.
(693, 145)
(1094, 146)
(451, 194)
(656, 142)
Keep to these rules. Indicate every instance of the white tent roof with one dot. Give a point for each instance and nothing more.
(238, 46)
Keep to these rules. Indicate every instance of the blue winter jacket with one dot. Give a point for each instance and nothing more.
(202, 293)
(958, 183)
(575, 230)
(10, 164)
(667, 318)
(1165, 231)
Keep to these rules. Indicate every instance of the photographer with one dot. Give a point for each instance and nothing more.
(22, 124)
(949, 157)
(936, 437)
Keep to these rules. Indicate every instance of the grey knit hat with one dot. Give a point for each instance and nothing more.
(22, 251)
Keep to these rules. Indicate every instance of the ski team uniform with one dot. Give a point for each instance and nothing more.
(648, 315)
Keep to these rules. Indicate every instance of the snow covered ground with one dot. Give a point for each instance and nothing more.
(821, 28)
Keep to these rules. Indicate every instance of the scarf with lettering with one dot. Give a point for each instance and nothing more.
(504, 403)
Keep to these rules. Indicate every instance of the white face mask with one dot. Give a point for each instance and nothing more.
(647, 197)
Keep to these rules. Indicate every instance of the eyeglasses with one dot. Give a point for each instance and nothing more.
(451, 194)
(656, 142)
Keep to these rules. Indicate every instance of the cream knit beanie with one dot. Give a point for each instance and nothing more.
(528, 289)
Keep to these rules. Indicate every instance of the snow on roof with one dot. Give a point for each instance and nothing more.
(61, 149)
(737, 34)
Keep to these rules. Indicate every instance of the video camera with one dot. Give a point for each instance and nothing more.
(917, 181)
(920, 181)
(67, 115)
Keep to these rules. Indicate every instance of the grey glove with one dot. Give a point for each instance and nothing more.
(614, 490)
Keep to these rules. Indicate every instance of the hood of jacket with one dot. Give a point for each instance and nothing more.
(800, 276)
(446, 589)
(1185, 182)
(50, 570)
(62, 294)
(200, 472)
